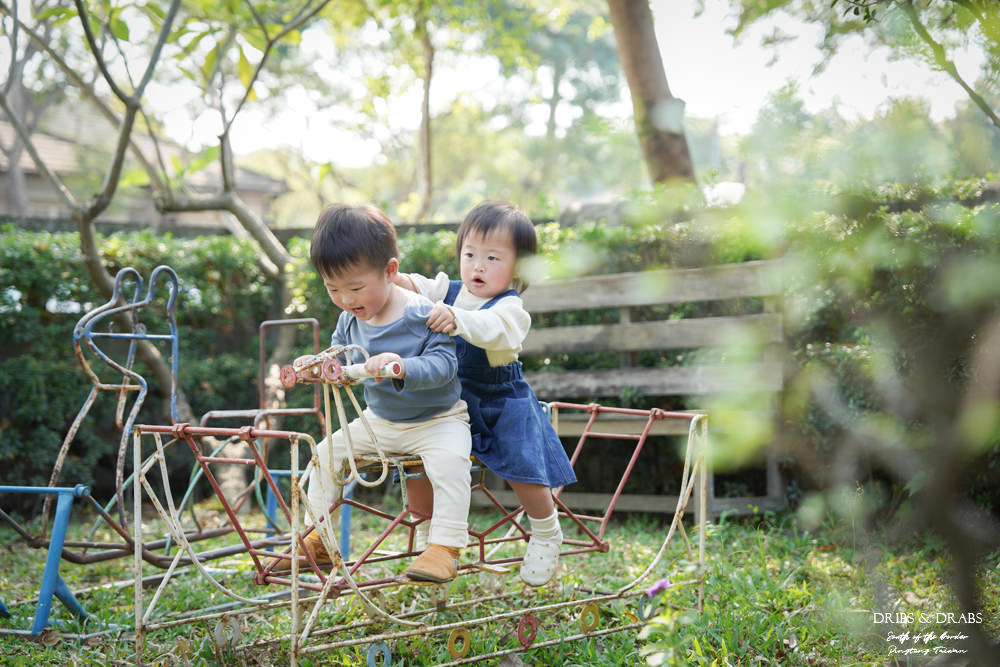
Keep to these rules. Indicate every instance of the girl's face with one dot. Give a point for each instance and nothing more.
(487, 263)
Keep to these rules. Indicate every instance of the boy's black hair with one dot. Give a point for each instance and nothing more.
(494, 215)
(346, 236)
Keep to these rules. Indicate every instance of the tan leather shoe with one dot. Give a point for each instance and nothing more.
(438, 564)
(314, 545)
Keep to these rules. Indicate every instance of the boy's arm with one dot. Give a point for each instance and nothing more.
(339, 336)
(436, 365)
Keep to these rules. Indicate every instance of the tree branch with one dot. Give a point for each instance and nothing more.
(941, 59)
(132, 105)
(275, 256)
(302, 17)
(25, 136)
(91, 41)
(88, 92)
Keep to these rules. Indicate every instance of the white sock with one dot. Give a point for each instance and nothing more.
(541, 558)
(547, 528)
(422, 536)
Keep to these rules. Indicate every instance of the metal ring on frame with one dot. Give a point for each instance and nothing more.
(527, 630)
(459, 635)
(377, 649)
(590, 615)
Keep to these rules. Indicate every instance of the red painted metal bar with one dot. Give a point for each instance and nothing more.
(266, 324)
(595, 410)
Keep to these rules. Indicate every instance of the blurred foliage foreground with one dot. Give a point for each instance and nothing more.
(890, 307)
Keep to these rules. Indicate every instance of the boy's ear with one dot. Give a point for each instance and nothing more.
(392, 268)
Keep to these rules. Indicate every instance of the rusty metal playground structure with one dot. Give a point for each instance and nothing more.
(285, 577)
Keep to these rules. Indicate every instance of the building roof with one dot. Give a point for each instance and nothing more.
(61, 155)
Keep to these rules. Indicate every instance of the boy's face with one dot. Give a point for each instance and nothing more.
(362, 290)
(487, 263)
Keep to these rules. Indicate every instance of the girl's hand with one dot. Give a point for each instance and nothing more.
(441, 319)
(379, 361)
(404, 281)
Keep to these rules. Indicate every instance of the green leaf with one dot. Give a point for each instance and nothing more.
(255, 38)
(245, 69)
(119, 27)
(208, 68)
(58, 13)
(324, 169)
(134, 177)
(152, 9)
(207, 157)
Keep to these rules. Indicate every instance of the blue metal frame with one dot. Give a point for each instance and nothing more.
(345, 512)
(52, 582)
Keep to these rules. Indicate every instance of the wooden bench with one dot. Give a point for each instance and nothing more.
(657, 322)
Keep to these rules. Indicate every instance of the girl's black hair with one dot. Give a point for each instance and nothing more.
(491, 216)
(346, 236)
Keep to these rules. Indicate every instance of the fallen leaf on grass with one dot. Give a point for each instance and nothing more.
(49, 637)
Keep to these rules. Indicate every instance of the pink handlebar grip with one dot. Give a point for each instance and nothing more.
(357, 371)
(288, 376)
(332, 369)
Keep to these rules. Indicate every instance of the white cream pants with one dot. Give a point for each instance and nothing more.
(444, 444)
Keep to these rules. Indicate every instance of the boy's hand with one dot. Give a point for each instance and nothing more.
(441, 319)
(380, 361)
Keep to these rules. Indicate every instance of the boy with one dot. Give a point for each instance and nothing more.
(354, 250)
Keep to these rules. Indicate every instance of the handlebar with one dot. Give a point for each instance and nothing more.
(330, 370)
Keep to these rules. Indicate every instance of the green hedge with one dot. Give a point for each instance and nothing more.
(43, 292)
(862, 267)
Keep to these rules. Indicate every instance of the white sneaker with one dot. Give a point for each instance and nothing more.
(541, 559)
(422, 537)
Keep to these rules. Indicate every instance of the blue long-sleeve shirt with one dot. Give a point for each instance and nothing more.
(431, 385)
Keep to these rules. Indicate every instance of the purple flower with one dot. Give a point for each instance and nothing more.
(660, 586)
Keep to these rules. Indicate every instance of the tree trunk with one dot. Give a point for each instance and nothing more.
(659, 116)
(424, 168)
(14, 184)
(548, 159)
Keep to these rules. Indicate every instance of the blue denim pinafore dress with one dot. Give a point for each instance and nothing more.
(511, 435)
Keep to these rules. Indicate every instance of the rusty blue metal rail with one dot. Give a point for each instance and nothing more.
(52, 583)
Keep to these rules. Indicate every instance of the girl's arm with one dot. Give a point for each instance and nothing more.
(405, 281)
(503, 327)
(435, 288)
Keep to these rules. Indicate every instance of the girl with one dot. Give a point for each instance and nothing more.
(511, 435)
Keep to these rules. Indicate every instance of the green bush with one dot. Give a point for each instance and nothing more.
(883, 314)
(859, 267)
(44, 290)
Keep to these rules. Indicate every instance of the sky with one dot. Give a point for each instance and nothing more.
(715, 76)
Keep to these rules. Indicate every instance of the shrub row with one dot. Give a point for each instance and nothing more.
(860, 270)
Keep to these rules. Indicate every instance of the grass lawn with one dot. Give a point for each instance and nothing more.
(774, 595)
